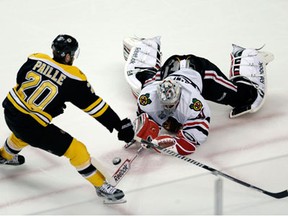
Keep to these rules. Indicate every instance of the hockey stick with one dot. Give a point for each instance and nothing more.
(124, 168)
(277, 195)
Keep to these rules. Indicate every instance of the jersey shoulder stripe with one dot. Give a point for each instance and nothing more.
(70, 71)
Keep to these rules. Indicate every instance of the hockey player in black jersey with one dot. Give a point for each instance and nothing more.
(43, 86)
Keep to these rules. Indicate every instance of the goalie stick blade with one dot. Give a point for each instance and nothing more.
(278, 195)
(122, 170)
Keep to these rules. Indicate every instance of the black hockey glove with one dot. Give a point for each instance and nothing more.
(126, 131)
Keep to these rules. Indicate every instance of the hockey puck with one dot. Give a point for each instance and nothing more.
(116, 160)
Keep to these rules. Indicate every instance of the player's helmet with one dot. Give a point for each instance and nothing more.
(169, 92)
(64, 44)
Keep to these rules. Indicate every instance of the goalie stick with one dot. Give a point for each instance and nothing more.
(277, 195)
(124, 168)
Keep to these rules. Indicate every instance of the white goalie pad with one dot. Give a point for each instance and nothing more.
(140, 54)
(251, 63)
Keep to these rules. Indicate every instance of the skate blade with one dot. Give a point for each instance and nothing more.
(121, 201)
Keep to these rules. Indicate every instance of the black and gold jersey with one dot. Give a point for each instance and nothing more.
(44, 85)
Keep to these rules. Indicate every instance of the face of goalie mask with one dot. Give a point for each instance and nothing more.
(169, 92)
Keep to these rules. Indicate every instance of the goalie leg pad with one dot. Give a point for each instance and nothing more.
(130, 42)
(141, 55)
(250, 64)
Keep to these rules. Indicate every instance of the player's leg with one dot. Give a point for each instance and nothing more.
(13, 144)
(237, 92)
(60, 143)
(81, 160)
(9, 152)
(56, 141)
(216, 86)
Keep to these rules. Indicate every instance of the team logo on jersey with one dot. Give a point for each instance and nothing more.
(196, 104)
(144, 99)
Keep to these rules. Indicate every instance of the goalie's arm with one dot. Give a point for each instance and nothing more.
(182, 143)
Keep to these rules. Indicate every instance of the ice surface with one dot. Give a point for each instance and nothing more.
(252, 148)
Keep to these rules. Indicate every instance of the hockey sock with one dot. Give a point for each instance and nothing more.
(80, 159)
(12, 146)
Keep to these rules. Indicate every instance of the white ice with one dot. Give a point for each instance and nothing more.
(252, 148)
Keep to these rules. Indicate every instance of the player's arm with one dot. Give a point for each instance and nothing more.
(85, 98)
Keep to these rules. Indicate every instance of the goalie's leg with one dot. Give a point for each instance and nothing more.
(143, 59)
(248, 72)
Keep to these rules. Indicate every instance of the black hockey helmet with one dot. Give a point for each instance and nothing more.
(65, 44)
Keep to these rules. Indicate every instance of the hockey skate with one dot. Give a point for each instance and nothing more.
(250, 64)
(110, 194)
(15, 161)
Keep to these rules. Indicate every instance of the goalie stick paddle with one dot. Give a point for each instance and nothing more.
(124, 168)
(277, 195)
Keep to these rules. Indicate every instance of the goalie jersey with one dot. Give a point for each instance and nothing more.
(44, 85)
(192, 112)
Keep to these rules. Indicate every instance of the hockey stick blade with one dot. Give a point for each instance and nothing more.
(277, 195)
(121, 171)
(124, 168)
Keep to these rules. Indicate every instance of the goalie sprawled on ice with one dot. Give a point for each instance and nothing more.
(173, 95)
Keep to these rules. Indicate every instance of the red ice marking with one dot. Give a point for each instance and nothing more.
(247, 121)
(20, 172)
(53, 164)
(242, 121)
(261, 143)
(36, 197)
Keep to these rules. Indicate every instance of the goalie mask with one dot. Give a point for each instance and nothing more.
(169, 92)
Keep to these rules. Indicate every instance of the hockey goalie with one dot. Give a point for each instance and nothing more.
(171, 97)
